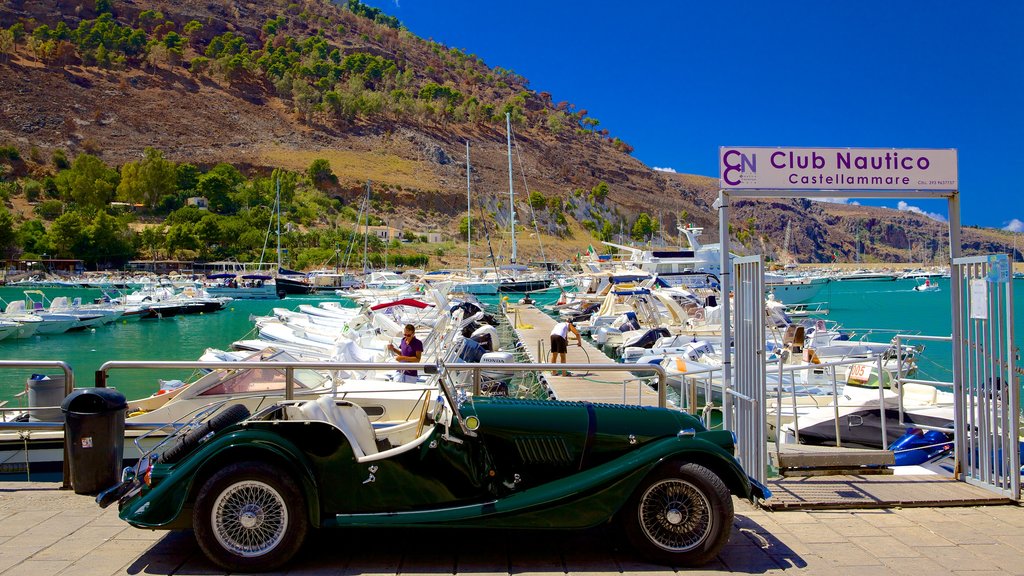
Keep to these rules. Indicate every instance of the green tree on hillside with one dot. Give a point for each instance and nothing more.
(320, 173)
(644, 227)
(149, 180)
(8, 234)
(31, 236)
(106, 241)
(89, 182)
(217, 186)
(66, 238)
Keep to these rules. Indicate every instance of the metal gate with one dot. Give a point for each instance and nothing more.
(987, 400)
(743, 400)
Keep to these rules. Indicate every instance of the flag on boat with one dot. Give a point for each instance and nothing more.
(591, 251)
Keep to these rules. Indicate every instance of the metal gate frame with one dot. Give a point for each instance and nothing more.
(987, 400)
(743, 397)
(964, 364)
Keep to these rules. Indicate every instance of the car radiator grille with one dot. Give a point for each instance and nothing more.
(543, 450)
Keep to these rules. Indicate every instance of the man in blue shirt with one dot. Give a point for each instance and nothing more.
(410, 350)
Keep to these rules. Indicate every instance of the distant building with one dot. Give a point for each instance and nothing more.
(59, 265)
(385, 233)
(160, 266)
(127, 206)
(199, 202)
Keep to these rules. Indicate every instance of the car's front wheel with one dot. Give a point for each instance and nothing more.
(681, 515)
(250, 517)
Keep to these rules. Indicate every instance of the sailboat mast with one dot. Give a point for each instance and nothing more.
(366, 227)
(511, 193)
(469, 215)
(277, 207)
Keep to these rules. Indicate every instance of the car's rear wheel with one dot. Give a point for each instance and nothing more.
(681, 514)
(250, 517)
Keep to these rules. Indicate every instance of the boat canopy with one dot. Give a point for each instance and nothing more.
(221, 275)
(632, 292)
(403, 302)
(257, 277)
(624, 278)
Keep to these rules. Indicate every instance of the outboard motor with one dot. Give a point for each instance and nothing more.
(487, 336)
(586, 313)
(496, 381)
(472, 351)
(468, 309)
(468, 330)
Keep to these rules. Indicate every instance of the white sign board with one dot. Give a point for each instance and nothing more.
(979, 299)
(764, 168)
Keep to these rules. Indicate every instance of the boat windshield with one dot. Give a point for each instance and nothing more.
(261, 380)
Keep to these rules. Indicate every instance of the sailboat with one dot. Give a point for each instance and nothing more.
(288, 281)
(471, 284)
(514, 280)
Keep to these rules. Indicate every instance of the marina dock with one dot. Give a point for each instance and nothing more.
(533, 328)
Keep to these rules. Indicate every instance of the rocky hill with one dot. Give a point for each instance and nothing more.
(277, 84)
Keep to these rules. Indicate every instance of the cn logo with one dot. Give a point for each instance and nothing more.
(736, 164)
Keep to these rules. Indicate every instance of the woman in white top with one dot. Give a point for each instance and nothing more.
(559, 344)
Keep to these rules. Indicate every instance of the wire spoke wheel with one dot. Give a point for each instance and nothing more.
(675, 515)
(680, 515)
(249, 518)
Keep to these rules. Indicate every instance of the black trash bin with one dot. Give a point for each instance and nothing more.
(94, 428)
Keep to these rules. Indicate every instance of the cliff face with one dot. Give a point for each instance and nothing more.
(405, 129)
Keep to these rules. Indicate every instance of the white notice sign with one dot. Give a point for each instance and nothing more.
(979, 299)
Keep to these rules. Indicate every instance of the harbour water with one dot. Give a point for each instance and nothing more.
(872, 310)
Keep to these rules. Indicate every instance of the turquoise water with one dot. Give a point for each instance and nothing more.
(886, 307)
(178, 338)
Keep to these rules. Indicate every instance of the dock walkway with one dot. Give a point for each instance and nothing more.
(533, 327)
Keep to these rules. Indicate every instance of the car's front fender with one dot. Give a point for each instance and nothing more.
(161, 506)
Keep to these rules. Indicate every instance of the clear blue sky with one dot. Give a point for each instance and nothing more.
(678, 79)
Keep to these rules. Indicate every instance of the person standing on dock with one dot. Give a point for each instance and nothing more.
(559, 343)
(411, 350)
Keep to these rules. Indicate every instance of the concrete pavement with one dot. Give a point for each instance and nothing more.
(45, 531)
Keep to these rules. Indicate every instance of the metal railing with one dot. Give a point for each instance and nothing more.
(898, 340)
(102, 376)
(781, 369)
(709, 381)
(69, 385)
(475, 367)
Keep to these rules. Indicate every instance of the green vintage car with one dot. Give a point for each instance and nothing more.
(253, 486)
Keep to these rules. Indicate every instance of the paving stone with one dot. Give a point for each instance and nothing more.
(1004, 557)
(20, 522)
(885, 547)
(844, 555)
(914, 566)
(788, 517)
(957, 558)
(814, 534)
(37, 568)
(916, 536)
(883, 518)
(960, 533)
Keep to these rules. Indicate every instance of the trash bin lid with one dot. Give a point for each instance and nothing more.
(94, 401)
